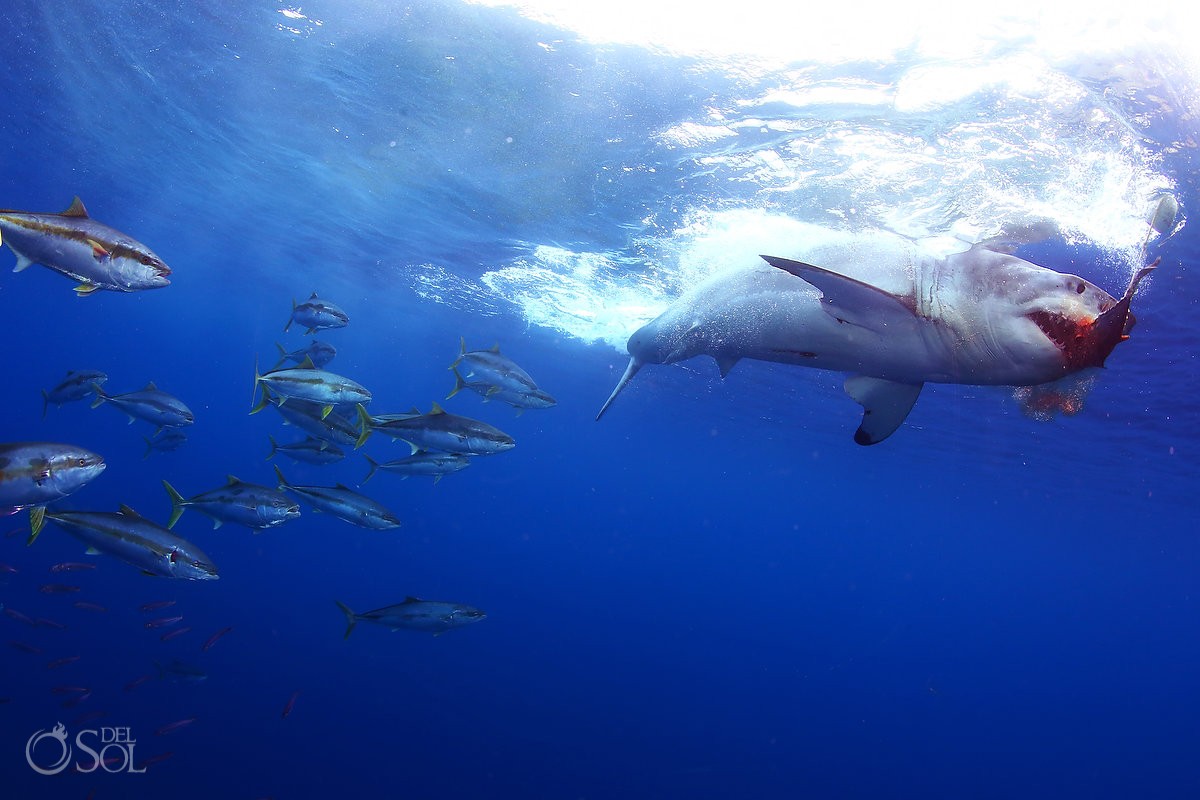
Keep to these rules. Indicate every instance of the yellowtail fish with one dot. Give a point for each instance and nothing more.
(74, 244)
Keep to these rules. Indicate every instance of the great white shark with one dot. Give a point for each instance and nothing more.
(895, 318)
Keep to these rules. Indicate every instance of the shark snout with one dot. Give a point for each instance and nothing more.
(630, 371)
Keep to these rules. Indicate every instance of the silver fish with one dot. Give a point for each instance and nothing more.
(343, 503)
(35, 473)
(256, 507)
(432, 616)
(319, 352)
(316, 314)
(307, 416)
(437, 430)
(306, 382)
(77, 246)
(520, 399)
(128, 536)
(150, 404)
(435, 465)
(77, 385)
(311, 451)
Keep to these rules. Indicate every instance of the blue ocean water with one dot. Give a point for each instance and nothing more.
(711, 593)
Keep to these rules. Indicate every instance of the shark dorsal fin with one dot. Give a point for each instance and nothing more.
(76, 209)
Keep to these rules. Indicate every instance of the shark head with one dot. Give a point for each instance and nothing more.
(664, 340)
(1086, 331)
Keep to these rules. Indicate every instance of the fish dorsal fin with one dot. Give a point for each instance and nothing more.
(885, 406)
(279, 474)
(150, 387)
(312, 296)
(232, 480)
(91, 551)
(129, 512)
(436, 409)
(307, 363)
(852, 301)
(76, 209)
(411, 599)
(343, 487)
(495, 348)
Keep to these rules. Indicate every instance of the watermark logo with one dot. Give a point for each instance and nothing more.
(50, 752)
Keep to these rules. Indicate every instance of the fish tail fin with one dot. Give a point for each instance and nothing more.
(462, 351)
(374, 466)
(274, 449)
(37, 519)
(459, 384)
(364, 424)
(149, 447)
(282, 356)
(266, 393)
(177, 504)
(45, 403)
(351, 618)
(100, 395)
(288, 327)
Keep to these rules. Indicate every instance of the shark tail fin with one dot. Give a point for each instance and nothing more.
(351, 618)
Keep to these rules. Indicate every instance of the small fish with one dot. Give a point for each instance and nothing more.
(311, 451)
(167, 440)
(92, 716)
(306, 382)
(19, 617)
(163, 622)
(70, 690)
(156, 605)
(344, 503)
(180, 672)
(174, 726)
(152, 760)
(42, 622)
(291, 703)
(435, 465)
(11, 570)
(319, 352)
(316, 314)
(520, 399)
(138, 681)
(432, 616)
(62, 662)
(74, 701)
(150, 404)
(25, 648)
(166, 637)
(256, 507)
(71, 566)
(215, 637)
(75, 245)
(437, 430)
(58, 588)
(86, 606)
(76, 386)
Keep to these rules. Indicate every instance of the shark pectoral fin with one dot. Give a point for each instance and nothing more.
(726, 363)
(885, 406)
(849, 300)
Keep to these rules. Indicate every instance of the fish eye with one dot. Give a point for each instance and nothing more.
(147, 260)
